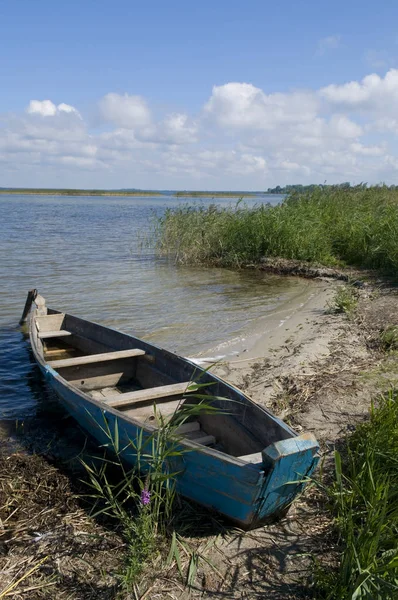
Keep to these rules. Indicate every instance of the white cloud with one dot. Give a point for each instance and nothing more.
(372, 93)
(178, 128)
(344, 128)
(242, 105)
(46, 108)
(130, 112)
(331, 42)
(67, 108)
(243, 138)
(368, 150)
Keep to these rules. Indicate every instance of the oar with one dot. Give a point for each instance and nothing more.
(31, 298)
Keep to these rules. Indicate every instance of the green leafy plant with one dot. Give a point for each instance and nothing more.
(389, 338)
(345, 301)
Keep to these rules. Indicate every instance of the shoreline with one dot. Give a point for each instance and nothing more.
(292, 321)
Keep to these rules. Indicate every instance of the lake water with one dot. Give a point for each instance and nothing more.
(85, 256)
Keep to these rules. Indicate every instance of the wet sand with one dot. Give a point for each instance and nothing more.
(294, 322)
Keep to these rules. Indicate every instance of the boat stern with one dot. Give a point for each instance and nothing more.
(289, 464)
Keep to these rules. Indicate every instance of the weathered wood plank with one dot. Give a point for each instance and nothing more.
(147, 414)
(95, 358)
(100, 375)
(236, 439)
(29, 300)
(50, 322)
(43, 335)
(204, 440)
(290, 462)
(163, 391)
(56, 351)
(188, 427)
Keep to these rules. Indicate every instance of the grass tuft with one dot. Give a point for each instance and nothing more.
(389, 338)
(345, 301)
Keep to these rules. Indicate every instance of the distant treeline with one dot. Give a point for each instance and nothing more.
(298, 187)
(346, 185)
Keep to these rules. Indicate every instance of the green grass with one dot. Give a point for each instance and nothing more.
(345, 301)
(364, 501)
(389, 338)
(332, 226)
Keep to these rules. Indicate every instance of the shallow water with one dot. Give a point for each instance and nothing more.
(85, 256)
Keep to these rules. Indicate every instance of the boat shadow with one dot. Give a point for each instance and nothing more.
(276, 561)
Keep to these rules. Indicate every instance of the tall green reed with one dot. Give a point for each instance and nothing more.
(332, 226)
(364, 500)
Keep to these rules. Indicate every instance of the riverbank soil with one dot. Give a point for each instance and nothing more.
(317, 370)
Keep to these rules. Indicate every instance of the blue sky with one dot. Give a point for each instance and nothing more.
(211, 95)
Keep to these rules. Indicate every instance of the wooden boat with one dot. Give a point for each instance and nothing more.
(242, 461)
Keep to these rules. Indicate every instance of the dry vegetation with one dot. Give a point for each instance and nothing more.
(50, 547)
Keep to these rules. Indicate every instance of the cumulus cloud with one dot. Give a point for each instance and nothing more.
(46, 108)
(178, 128)
(242, 138)
(242, 105)
(372, 93)
(130, 112)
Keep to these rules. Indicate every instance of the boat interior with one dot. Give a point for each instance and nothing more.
(135, 382)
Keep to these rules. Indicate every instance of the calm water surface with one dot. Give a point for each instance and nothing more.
(85, 256)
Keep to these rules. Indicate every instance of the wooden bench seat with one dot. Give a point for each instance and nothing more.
(95, 358)
(164, 391)
(43, 335)
(188, 427)
(200, 437)
(58, 351)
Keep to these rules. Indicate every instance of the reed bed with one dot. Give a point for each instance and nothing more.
(328, 226)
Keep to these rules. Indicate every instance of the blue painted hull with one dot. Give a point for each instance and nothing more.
(248, 495)
(245, 492)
